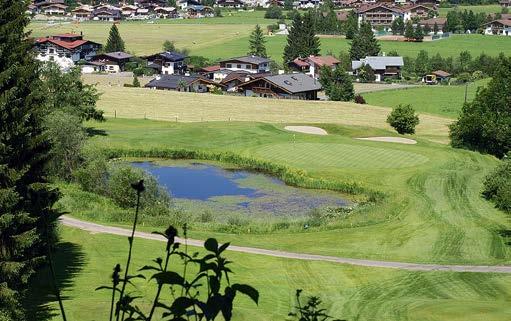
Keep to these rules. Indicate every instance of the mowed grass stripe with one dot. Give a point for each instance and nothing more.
(339, 155)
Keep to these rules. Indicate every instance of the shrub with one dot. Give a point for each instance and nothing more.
(359, 99)
(497, 186)
(403, 119)
(136, 82)
(273, 12)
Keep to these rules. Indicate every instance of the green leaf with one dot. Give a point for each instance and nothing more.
(223, 247)
(211, 245)
(168, 278)
(248, 291)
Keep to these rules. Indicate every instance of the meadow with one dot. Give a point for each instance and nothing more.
(487, 9)
(84, 261)
(230, 38)
(436, 100)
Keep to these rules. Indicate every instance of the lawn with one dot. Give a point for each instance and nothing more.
(85, 261)
(433, 211)
(229, 38)
(488, 9)
(438, 100)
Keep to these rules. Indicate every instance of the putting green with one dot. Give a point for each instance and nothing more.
(339, 155)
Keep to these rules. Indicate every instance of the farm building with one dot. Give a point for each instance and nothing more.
(167, 63)
(83, 12)
(252, 64)
(112, 62)
(500, 27)
(65, 49)
(436, 77)
(383, 67)
(439, 21)
(182, 83)
(166, 12)
(287, 86)
(230, 3)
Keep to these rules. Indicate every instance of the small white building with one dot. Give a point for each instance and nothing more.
(382, 66)
(498, 27)
(251, 64)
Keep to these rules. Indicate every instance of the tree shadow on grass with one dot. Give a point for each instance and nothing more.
(506, 236)
(69, 260)
(91, 132)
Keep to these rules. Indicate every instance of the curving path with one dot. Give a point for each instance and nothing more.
(98, 228)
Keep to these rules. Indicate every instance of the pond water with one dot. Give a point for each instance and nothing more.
(206, 187)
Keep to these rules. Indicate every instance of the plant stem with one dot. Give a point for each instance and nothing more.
(112, 303)
(160, 286)
(130, 240)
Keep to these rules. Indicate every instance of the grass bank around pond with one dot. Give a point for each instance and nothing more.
(433, 213)
(85, 261)
(436, 100)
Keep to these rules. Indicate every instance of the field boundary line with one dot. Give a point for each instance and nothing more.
(98, 228)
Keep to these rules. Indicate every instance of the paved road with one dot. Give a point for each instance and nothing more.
(97, 228)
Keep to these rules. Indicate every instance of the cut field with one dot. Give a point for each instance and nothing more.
(84, 261)
(487, 9)
(436, 100)
(190, 107)
(230, 39)
(433, 211)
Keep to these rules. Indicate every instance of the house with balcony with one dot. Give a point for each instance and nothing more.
(83, 12)
(382, 66)
(251, 64)
(285, 86)
(500, 27)
(183, 83)
(167, 63)
(65, 49)
(379, 15)
(111, 62)
(312, 65)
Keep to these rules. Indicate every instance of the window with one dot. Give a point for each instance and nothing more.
(249, 66)
(51, 50)
(238, 66)
(229, 66)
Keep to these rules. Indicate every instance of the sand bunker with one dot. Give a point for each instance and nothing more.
(307, 130)
(399, 140)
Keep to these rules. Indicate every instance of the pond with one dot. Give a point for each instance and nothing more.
(206, 187)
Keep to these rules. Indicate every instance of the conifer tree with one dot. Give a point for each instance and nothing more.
(337, 84)
(25, 198)
(435, 28)
(409, 32)
(294, 40)
(256, 43)
(311, 44)
(351, 25)
(114, 42)
(418, 33)
(364, 44)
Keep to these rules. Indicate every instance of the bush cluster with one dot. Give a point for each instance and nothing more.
(497, 186)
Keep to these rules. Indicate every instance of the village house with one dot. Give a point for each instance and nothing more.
(65, 49)
(306, 4)
(183, 4)
(436, 77)
(287, 86)
(195, 84)
(417, 11)
(230, 3)
(199, 11)
(500, 27)
(111, 62)
(313, 64)
(167, 63)
(128, 11)
(54, 9)
(383, 67)
(439, 21)
(165, 12)
(505, 3)
(107, 13)
(83, 12)
(252, 64)
(379, 15)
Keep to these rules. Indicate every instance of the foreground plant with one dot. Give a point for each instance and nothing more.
(310, 311)
(215, 300)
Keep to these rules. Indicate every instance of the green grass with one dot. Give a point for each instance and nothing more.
(433, 213)
(488, 9)
(85, 261)
(220, 38)
(438, 100)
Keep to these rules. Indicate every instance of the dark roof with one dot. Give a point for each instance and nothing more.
(114, 55)
(441, 73)
(249, 60)
(174, 81)
(168, 56)
(292, 83)
(503, 22)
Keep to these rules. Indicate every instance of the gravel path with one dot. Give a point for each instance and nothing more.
(399, 140)
(97, 228)
(307, 130)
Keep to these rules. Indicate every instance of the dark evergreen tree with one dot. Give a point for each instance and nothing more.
(418, 34)
(311, 44)
(437, 63)
(364, 44)
(273, 12)
(256, 43)
(294, 40)
(398, 26)
(25, 197)
(351, 25)
(435, 28)
(409, 31)
(422, 65)
(452, 22)
(485, 123)
(427, 29)
(337, 84)
(288, 5)
(114, 42)
(366, 74)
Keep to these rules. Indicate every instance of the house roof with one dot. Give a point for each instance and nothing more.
(174, 81)
(256, 60)
(366, 8)
(64, 44)
(168, 56)
(378, 62)
(342, 15)
(57, 5)
(300, 62)
(211, 68)
(439, 21)
(291, 83)
(324, 60)
(441, 73)
(504, 22)
(116, 55)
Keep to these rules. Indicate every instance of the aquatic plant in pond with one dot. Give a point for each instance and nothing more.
(204, 187)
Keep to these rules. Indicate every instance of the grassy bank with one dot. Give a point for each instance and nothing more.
(433, 213)
(85, 261)
(436, 100)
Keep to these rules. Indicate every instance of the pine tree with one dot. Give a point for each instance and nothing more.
(409, 32)
(114, 42)
(337, 84)
(351, 25)
(364, 44)
(435, 28)
(25, 198)
(256, 43)
(294, 40)
(398, 26)
(311, 44)
(418, 34)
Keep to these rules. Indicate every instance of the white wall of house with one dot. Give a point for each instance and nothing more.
(168, 68)
(506, 31)
(238, 66)
(112, 68)
(89, 69)
(64, 60)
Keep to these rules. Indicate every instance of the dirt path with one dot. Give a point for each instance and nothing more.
(307, 130)
(97, 228)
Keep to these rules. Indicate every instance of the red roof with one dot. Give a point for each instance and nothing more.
(324, 60)
(64, 44)
(301, 62)
(67, 35)
(211, 68)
